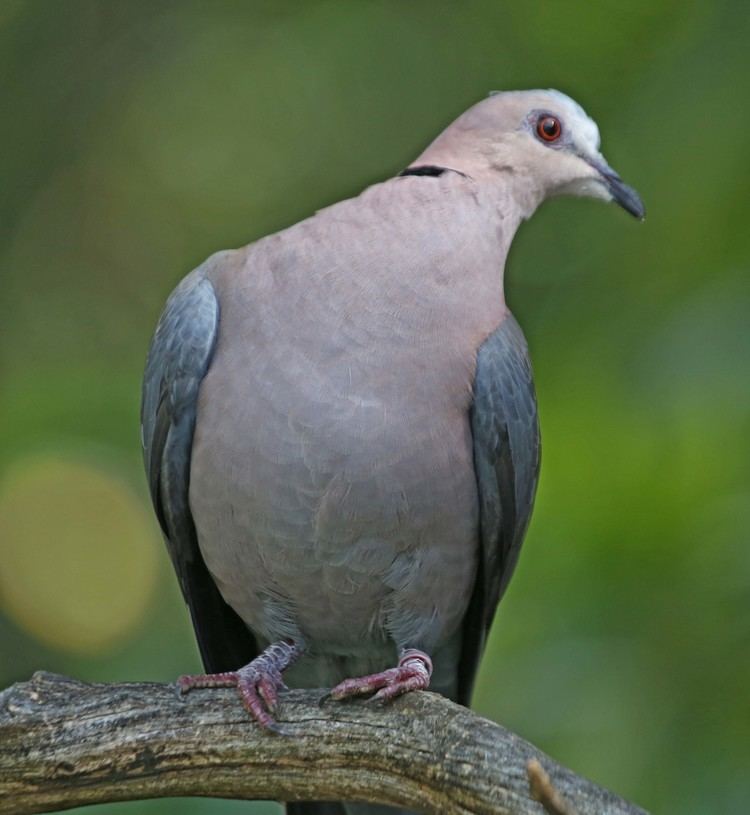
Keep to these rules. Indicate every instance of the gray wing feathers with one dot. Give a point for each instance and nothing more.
(177, 362)
(505, 431)
(178, 359)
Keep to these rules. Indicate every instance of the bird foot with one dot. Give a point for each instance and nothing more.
(413, 672)
(257, 683)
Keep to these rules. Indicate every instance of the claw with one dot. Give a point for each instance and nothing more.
(257, 683)
(413, 672)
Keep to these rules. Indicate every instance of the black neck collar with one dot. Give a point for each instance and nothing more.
(429, 170)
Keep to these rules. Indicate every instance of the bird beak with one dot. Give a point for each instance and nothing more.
(624, 195)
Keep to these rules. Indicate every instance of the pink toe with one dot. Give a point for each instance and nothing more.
(360, 685)
(222, 680)
(267, 689)
(415, 682)
(254, 704)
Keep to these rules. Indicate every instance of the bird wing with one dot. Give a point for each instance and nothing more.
(178, 359)
(505, 432)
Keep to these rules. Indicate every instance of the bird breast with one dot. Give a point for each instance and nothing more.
(332, 480)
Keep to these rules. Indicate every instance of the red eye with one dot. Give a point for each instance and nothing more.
(548, 128)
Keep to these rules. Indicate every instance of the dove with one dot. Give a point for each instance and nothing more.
(340, 427)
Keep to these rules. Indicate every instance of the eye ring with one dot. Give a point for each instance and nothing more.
(548, 128)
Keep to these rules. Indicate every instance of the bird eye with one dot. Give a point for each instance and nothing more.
(548, 128)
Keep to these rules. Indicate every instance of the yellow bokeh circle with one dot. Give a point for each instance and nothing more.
(78, 556)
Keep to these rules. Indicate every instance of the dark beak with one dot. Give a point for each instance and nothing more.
(625, 196)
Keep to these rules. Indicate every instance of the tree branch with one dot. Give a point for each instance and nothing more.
(65, 743)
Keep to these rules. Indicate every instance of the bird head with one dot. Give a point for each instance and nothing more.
(539, 143)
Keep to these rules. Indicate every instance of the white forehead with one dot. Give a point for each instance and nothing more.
(584, 129)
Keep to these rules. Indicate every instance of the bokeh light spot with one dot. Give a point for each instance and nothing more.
(79, 560)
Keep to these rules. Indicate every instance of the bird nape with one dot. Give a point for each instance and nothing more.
(340, 427)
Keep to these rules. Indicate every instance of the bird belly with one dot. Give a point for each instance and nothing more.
(350, 527)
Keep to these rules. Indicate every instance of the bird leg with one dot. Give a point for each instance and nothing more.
(257, 683)
(413, 672)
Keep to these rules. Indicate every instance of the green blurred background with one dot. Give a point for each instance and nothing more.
(139, 137)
